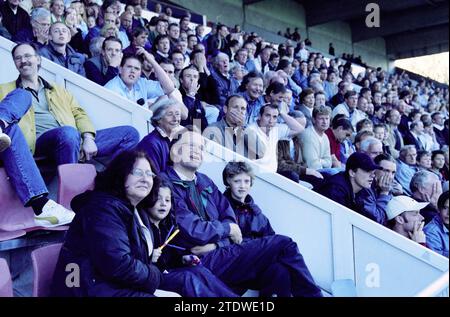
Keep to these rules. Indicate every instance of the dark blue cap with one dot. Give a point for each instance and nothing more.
(361, 160)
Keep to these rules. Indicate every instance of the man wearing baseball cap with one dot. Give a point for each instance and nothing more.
(359, 173)
(404, 217)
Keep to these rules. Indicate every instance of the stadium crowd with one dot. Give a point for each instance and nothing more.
(376, 143)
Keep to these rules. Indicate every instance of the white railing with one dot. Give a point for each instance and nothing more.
(336, 242)
(438, 288)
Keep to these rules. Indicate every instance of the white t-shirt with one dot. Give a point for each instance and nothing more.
(267, 145)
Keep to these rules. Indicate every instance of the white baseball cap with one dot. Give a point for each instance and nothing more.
(400, 204)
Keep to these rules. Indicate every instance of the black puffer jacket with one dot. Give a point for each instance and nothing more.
(106, 243)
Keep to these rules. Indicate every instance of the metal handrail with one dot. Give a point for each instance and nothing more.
(436, 288)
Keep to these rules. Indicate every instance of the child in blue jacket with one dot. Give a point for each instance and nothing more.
(238, 178)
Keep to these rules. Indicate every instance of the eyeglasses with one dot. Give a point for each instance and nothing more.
(140, 173)
(26, 57)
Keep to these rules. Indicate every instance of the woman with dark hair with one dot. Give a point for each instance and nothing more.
(108, 241)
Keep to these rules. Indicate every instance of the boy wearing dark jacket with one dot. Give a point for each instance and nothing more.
(238, 178)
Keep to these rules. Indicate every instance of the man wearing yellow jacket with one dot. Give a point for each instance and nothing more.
(41, 119)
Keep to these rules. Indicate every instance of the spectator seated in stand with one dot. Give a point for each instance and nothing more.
(59, 51)
(129, 83)
(101, 69)
(403, 214)
(264, 135)
(406, 167)
(51, 124)
(371, 202)
(166, 120)
(38, 33)
(220, 86)
(436, 230)
(359, 174)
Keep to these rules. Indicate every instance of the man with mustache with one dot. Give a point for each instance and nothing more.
(359, 174)
(47, 121)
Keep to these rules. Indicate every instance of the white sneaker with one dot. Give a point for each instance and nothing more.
(5, 141)
(53, 215)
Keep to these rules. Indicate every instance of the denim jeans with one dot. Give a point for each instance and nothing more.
(62, 144)
(18, 161)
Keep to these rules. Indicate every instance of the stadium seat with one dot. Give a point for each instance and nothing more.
(6, 289)
(44, 261)
(74, 179)
(14, 217)
(8, 235)
(343, 288)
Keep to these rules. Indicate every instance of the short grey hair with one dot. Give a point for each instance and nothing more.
(95, 47)
(39, 13)
(405, 149)
(268, 77)
(235, 67)
(159, 109)
(367, 143)
(420, 179)
(219, 56)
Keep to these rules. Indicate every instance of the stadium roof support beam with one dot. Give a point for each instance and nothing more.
(402, 21)
(323, 11)
(417, 43)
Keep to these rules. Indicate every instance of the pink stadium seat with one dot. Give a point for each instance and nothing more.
(15, 219)
(6, 289)
(74, 179)
(44, 262)
(8, 235)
